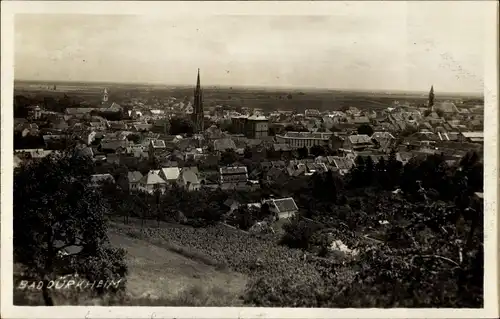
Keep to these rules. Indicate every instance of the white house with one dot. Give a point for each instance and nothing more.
(283, 207)
(188, 178)
(152, 182)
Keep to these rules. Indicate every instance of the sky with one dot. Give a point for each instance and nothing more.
(365, 46)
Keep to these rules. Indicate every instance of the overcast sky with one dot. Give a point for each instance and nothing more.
(369, 46)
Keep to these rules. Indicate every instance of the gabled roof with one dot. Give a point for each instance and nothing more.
(341, 162)
(274, 172)
(360, 139)
(230, 202)
(158, 143)
(224, 144)
(193, 169)
(382, 135)
(113, 144)
(317, 167)
(189, 176)
(278, 163)
(283, 204)
(361, 120)
(134, 177)
(171, 173)
(152, 178)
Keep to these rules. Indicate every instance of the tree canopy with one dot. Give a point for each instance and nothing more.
(66, 220)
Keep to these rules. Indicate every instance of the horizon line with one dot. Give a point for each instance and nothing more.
(279, 87)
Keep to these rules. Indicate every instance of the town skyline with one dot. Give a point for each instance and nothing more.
(410, 50)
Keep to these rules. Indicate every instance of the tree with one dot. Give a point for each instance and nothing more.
(136, 138)
(180, 125)
(369, 169)
(228, 157)
(303, 152)
(63, 214)
(365, 129)
(298, 233)
(248, 152)
(318, 150)
(357, 172)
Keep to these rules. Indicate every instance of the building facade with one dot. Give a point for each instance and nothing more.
(251, 126)
(304, 139)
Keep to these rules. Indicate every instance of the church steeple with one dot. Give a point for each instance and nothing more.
(105, 96)
(198, 106)
(431, 97)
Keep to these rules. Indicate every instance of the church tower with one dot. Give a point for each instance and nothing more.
(105, 96)
(198, 107)
(430, 104)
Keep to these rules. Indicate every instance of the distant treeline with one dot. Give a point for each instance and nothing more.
(49, 103)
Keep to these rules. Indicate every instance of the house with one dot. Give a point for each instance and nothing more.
(142, 127)
(17, 161)
(284, 207)
(384, 140)
(83, 150)
(404, 157)
(278, 164)
(33, 153)
(446, 107)
(157, 148)
(281, 150)
(277, 175)
(296, 169)
(98, 180)
(133, 179)
(474, 137)
(213, 133)
(117, 125)
(170, 174)
(114, 107)
(374, 157)
(358, 142)
(85, 136)
(188, 178)
(233, 175)
(151, 182)
(99, 158)
(113, 159)
(361, 120)
(98, 126)
(231, 204)
(113, 144)
(316, 168)
(342, 165)
(78, 111)
(223, 144)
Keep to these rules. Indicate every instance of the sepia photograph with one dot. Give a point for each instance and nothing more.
(190, 155)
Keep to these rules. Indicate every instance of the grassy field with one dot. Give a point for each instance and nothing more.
(159, 273)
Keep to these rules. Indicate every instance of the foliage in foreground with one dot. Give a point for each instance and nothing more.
(59, 224)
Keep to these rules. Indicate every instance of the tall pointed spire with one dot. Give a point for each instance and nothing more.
(198, 106)
(198, 81)
(431, 97)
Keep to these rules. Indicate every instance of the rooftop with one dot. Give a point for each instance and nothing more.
(233, 170)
